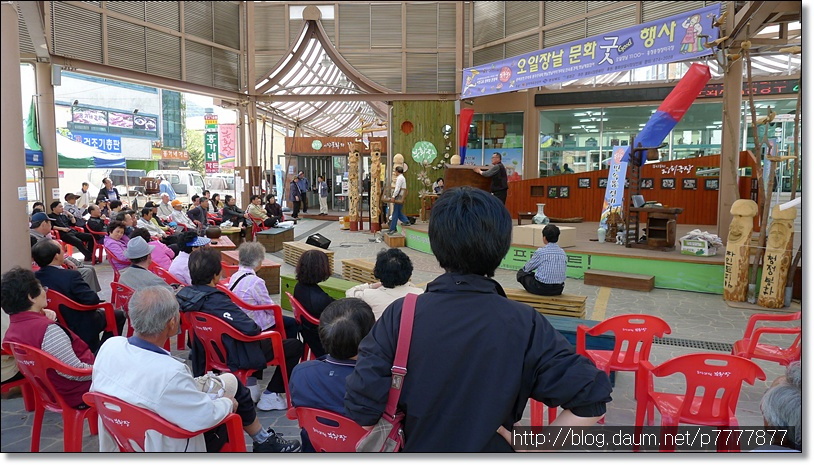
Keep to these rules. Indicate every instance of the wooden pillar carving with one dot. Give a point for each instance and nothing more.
(375, 185)
(736, 261)
(777, 260)
(353, 186)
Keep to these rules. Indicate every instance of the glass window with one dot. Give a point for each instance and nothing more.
(621, 124)
(569, 137)
(501, 133)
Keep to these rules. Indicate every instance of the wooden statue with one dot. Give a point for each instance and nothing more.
(736, 261)
(353, 185)
(375, 185)
(777, 260)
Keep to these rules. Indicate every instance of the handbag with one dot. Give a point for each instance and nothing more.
(388, 433)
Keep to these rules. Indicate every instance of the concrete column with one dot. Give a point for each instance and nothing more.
(251, 158)
(14, 231)
(47, 132)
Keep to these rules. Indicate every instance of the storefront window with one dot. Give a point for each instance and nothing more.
(570, 137)
(501, 133)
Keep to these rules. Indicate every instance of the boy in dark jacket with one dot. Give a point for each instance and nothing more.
(203, 296)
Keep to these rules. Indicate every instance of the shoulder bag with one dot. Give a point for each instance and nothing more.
(388, 433)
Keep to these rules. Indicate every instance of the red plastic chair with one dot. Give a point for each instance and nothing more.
(128, 424)
(301, 314)
(247, 307)
(114, 260)
(170, 279)
(210, 331)
(750, 348)
(35, 365)
(328, 431)
(68, 248)
(719, 375)
(25, 387)
(228, 270)
(98, 247)
(120, 296)
(55, 299)
(257, 226)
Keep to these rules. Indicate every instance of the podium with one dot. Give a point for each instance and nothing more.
(462, 175)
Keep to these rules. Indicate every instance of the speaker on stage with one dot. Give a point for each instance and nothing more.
(318, 240)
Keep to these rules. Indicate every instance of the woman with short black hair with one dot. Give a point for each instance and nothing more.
(312, 269)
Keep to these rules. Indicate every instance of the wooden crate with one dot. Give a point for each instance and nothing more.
(273, 238)
(292, 251)
(355, 269)
(563, 305)
(396, 240)
(634, 282)
(269, 270)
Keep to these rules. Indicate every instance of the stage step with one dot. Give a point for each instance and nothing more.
(562, 305)
(634, 282)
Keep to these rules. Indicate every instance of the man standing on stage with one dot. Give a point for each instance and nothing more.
(305, 187)
(500, 180)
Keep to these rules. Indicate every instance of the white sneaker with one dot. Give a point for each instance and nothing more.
(272, 401)
(255, 391)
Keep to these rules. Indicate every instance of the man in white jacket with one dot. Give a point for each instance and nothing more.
(393, 268)
(138, 371)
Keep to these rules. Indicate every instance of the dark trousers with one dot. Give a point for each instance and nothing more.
(101, 321)
(530, 284)
(82, 241)
(296, 207)
(304, 198)
(501, 195)
(271, 221)
(292, 329)
(292, 351)
(310, 335)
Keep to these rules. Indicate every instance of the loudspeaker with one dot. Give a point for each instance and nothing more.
(318, 240)
(56, 75)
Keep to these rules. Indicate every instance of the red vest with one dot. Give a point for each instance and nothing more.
(29, 328)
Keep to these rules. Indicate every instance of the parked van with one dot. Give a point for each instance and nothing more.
(185, 182)
(220, 183)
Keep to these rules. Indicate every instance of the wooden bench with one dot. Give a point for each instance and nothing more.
(273, 238)
(563, 305)
(618, 280)
(355, 269)
(292, 251)
(334, 287)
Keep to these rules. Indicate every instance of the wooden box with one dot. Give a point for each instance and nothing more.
(334, 287)
(273, 238)
(463, 175)
(292, 251)
(223, 243)
(355, 269)
(396, 240)
(269, 270)
(619, 280)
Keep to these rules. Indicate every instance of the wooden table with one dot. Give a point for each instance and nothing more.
(524, 216)
(223, 243)
(234, 235)
(273, 238)
(661, 228)
(269, 270)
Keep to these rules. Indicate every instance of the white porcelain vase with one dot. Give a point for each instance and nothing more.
(540, 217)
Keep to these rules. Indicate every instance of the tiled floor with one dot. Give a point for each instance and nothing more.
(692, 316)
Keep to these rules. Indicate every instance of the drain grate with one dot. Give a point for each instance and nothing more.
(703, 345)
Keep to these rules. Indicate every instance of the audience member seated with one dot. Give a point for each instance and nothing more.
(128, 219)
(180, 217)
(438, 186)
(162, 254)
(116, 244)
(258, 212)
(393, 269)
(544, 273)
(24, 300)
(198, 213)
(204, 296)
(158, 382)
(64, 223)
(312, 269)
(137, 275)
(104, 205)
(86, 325)
(452, 403)
(37, 207)
(214, 208)
(73, 209)
(274, 210)
(782, 407)
(252, 289)
(321, 383)
(232, 213)
(164, 207)
(41, 230)
(190, 241)
(96, 223)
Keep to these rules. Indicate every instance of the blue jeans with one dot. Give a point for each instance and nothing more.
(398, 215)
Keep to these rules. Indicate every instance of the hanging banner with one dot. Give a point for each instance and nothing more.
(211, 143)
(667, 40)
(226, 141)
(615, 191)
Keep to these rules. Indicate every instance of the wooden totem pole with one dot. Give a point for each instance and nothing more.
(353, 186)
(375, 185)
(736, 261)
(777, 260)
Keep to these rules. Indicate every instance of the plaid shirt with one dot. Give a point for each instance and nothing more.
(549, 261)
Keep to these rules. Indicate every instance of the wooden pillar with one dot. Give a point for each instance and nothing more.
(736, 261)
(777, 260)
(353, 186)
(375, 185)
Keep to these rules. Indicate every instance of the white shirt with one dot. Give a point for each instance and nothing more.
(160, 383)
(401, 183)
(165, 210)
(180, 268)
(154, 230)
(180, 217)
(381, 297)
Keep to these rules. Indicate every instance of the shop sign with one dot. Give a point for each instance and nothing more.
(316, 144)
(174, 154)
(761, 88)
(112, 144)
(671, 39)
(211, 143)
(226, 141)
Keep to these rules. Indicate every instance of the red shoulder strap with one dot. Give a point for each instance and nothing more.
(399, 369)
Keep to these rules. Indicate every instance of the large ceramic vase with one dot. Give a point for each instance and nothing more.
(540, 217)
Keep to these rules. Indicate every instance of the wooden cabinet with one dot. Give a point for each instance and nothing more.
(661, 227)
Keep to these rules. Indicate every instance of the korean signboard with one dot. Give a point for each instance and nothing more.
(615, 190)
(676, 38)
(112, 122)
(226, 140)
(211, 143)
(112, 144)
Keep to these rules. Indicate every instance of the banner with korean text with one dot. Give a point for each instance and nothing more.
(227, 133)
(675, 38)
(211, 143)
(615, 191)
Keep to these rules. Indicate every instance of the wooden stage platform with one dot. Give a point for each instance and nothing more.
(672, 270)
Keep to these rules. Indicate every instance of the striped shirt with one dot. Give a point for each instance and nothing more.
(549, 261)
(58, 344)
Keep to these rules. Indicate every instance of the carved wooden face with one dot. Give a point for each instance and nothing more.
(737, 228)
(779, 234)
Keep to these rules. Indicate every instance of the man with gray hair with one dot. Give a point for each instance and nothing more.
(164, 207)
(161, 383)
(782, 407)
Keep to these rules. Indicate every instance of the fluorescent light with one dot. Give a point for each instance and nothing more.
(580, 114)
(576, 127)
(586, 120)
(712, 127)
